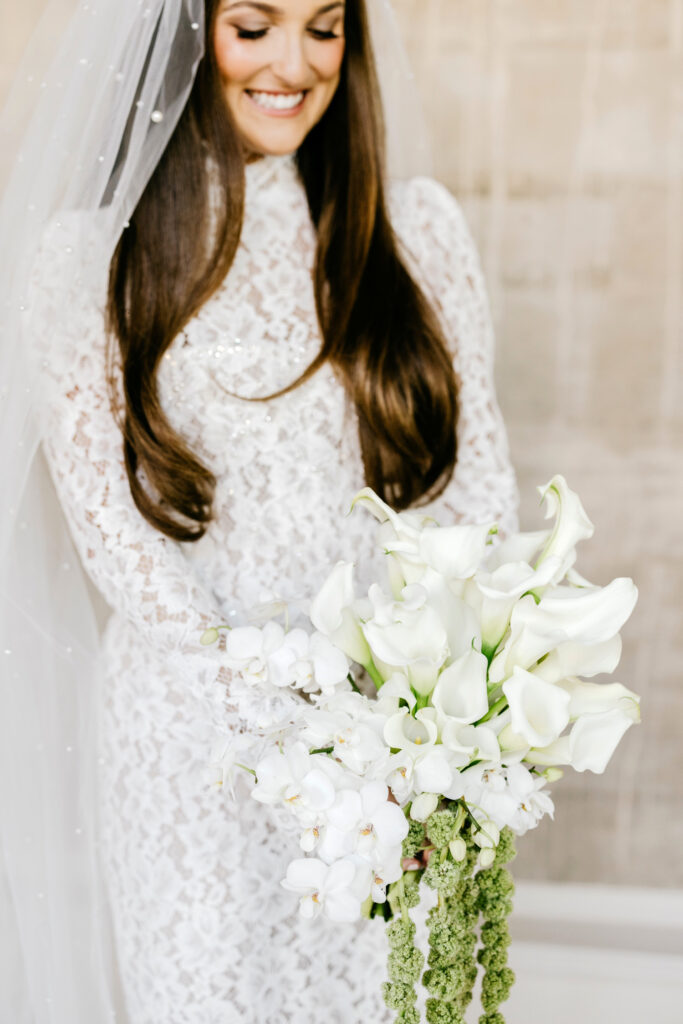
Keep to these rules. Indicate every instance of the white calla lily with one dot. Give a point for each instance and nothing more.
(433, 772)
(405, 524)
(407, 635)
(595, 698)
(563, 615)
(332, 614)
(539, 711)
(467, 743)
(594, 738)
(396, 689)
(520, 547)
(571, 526)
(456, 552)
(500, 592)
(403, 732)
(573, 659)
(591, 742)
(461, 693)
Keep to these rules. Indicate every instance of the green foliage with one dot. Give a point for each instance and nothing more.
(411, 891)
(444, 875)
(399, 995)
(465, 895)
(495, 988)
(506, 850)
(441, 828)
(414, 840)
(495, 890)
(408, 1016)
(443, 1013)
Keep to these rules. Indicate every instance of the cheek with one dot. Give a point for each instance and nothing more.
(329, 62)
(235, 60)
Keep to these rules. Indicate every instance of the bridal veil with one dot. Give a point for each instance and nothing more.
(94, 105)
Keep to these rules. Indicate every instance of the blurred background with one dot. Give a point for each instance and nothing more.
(559, 126)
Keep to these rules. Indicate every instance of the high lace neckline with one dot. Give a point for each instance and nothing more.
(267, 169)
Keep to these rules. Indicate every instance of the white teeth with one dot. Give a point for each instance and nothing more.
(277, 101)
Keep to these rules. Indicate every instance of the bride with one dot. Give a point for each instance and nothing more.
(231, 320)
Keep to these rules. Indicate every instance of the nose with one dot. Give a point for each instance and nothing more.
(290, 63)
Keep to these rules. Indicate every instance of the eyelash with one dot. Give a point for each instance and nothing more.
(243, 33)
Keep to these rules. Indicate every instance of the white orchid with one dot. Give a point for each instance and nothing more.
(355, 739)
(533, 802)
(336, 890)
(249, 649)
(303, 782)
(229, 759)
(286, 658)
(365, 821)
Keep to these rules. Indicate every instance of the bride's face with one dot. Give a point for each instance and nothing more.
(280, 64)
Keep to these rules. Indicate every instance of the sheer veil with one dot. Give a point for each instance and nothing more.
(97, 98)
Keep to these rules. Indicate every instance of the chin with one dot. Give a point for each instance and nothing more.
(273, 147)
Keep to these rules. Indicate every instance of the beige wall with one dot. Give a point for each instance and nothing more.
(560, 128)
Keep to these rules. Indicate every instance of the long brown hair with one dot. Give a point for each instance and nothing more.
(378, 330)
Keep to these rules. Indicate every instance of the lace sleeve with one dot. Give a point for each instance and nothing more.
(445, 259)
(141, 574)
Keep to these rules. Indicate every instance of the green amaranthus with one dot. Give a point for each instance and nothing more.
(471, 903)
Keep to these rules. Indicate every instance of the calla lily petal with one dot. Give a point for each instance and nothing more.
(540, 711)
(571, 525)
(332, 614)
(595, 698)
(573, 659)
(461, 692)
(594, 738)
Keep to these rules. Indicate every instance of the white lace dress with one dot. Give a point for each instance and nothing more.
(204, 932)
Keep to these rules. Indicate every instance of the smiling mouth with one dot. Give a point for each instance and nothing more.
(284, 102)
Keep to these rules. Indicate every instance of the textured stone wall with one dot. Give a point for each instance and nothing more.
(560, 128)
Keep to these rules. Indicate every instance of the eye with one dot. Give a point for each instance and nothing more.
(245, 33)
(319, 34)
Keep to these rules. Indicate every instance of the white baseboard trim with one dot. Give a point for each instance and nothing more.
(602, 916)
(592, 954)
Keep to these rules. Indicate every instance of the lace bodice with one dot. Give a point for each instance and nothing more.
(286, 469)
(286, 472)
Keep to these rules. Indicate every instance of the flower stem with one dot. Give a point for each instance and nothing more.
(373, 672)
(500, 705)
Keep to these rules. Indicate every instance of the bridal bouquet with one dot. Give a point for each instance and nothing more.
(430, 717)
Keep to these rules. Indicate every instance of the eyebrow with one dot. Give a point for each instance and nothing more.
(270, 9)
